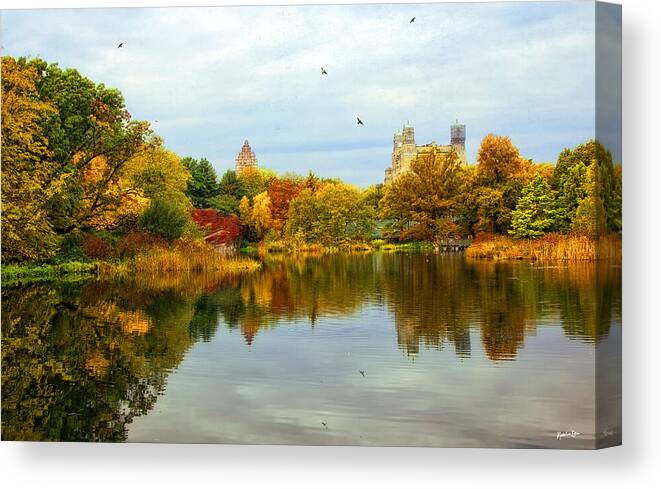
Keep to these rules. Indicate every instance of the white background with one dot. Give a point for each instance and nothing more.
(636, 464)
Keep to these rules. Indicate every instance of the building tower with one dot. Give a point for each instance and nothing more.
(408, 149)
(246, 158)
(458, 139)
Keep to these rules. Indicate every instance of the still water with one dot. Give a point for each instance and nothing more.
(343, 349)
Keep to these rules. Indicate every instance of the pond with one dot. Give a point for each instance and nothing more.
(406, 349)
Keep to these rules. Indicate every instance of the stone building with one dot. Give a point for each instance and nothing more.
(246, 158)
(405, 150)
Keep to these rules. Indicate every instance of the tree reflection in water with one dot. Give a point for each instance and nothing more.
(81, 360)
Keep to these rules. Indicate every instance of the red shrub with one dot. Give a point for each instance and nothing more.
(218, 229)
(96, 247)
(137, 241)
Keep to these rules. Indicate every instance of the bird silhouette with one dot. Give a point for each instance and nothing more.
(412, 20)
(360, 123)
(323, 72)
(324, 425)
(362, 372)
(120, 45)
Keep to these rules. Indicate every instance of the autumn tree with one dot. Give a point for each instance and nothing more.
(160, 174)
(90, 130)
(281, 192)
(261, 217)
(335, 214)
(303, 212)
(27, 166)
(422, 203)
(254, 181)
(496, 185)
(499, 161)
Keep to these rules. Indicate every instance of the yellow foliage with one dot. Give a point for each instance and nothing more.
(97, 365)
(119, 199)
(261, 213)
(134, 322)
(26, 166)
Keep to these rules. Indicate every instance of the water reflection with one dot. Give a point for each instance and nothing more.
(80, 361)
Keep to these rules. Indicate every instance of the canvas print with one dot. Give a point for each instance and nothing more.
(374, 225)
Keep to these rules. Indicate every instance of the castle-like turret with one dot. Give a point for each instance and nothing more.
(246, 158)
(405, 150)
(458, 139)
(458, 134)
(408, 136)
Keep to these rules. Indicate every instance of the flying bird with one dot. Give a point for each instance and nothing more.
(412, 20)
(323, 72)
(362, 372)
(360, 123)
(324, 425)
(120, 45)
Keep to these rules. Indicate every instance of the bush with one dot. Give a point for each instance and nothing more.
(96, 247)
(137, 241)
(70, 249)
(164, 219)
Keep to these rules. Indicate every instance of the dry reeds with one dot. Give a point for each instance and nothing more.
(552, 247)
(189, 256)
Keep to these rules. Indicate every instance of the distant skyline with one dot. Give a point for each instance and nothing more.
(214, 77)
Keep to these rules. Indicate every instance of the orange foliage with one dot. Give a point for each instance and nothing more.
(282, 191)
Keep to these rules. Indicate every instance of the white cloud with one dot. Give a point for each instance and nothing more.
(215, 76)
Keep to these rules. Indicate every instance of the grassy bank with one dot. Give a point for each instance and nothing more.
(283, 246)
(409, 246)
(203, 259)
(12, 274)
(184, 257)
(552, 247)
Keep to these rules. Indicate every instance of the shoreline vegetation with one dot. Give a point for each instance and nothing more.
(551, 248)
(90, 191)
(155, 261)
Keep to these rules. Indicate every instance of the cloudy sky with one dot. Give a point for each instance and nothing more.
(213, 77)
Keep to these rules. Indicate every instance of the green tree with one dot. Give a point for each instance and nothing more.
(574, 183)
(165, 219)
(226, 204)
(231, 185)
(535, 212)
(203, 185)
(590, 218)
